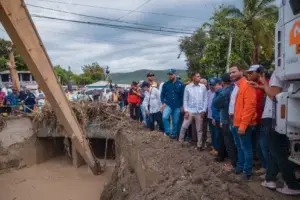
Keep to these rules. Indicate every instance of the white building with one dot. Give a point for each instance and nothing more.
(25, 77)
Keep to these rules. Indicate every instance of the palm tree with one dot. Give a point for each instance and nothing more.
(259, 18)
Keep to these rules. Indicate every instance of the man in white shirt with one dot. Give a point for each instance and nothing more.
(278, 144)
(152, 106)
(194, 104)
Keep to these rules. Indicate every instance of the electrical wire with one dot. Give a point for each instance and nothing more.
(134, 10)
(111, 25)
(119, 9)
(103, 18)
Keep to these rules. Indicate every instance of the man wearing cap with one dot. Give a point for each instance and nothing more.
(244, 121)
(212, 128)
(259, 142)
(172, 102)
(216, 121)
(195, 104)
(221, 101)
(150, 79)
(152, 106)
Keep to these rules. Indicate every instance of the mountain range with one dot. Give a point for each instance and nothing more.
(127, 78)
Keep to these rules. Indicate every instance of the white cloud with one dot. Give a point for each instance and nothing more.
(72, 44)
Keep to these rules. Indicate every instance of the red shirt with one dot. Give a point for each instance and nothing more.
(260, 95)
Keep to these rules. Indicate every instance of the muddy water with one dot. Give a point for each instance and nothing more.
(55, 179)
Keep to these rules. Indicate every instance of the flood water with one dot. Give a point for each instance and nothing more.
(55, 179)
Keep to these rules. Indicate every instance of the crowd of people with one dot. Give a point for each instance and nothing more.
(12, 101)
(238, 110)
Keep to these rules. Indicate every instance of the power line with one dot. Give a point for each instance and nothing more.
(103, 18)
(119, 9)
(134, 10)
(111, 25)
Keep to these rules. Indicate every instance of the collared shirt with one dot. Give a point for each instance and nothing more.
(172, 94)
(152, 100)
(195, 98)
(210, 97)
(232, 99)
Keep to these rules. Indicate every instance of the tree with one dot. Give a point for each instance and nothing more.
(5, 48)
(94, 72)
(64, 75)
(259, 18)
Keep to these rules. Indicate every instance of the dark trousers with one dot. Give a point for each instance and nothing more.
(229, 144)
(134, 111)
(221, 143)
(155, 117)
(278, 158)
(205, 126)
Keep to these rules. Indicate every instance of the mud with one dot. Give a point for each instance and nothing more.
(151, 166)
(55, 179)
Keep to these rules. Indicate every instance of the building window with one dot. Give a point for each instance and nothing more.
(25, 77)
(5, 77)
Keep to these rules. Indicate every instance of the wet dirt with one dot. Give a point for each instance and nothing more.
(55, 179)
(186, 173)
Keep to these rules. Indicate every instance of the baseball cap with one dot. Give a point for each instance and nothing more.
(226, 78)
(212, 81)
(218, 80)
(150, 74)
(171, 71)
(253, 68)
(134, 83)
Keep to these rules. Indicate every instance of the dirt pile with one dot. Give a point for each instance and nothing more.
(182, 173)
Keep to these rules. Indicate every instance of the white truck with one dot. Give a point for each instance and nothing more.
(287, 62)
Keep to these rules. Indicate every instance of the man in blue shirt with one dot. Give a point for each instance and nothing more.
(172, 102)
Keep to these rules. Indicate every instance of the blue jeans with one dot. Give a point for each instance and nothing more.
(143, 112)
(122, 105)
(175, 112)
(246, 146)
(240, 156)
(263, 146)
(214, 134)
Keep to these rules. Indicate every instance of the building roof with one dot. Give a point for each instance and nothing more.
(19, 72)
(99, 84)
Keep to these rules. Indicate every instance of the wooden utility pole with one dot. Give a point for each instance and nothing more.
(13, 72)
(18, 24)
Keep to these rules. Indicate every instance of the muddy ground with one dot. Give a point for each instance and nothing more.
(178, 173)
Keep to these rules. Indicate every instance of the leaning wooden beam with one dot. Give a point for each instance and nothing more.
(19, 26)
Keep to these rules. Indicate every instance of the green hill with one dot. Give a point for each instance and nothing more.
(127, 78)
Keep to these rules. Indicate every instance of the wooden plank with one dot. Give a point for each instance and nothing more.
(19, 26)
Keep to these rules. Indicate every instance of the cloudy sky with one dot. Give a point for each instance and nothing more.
(75, 44)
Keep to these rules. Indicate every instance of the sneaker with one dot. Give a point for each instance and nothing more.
(237, 171)
(262, 177)
(260, 171)
(286, 190)
(245, 177)
(213, 152)
(173, 137)
(166, 134)
(269, 184)
(204, 146)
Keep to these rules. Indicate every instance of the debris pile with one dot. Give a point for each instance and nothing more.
(108, 116)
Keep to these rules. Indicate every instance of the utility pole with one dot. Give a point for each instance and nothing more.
(13, 72)
(229, 52)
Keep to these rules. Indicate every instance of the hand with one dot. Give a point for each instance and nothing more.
(186, 115)
(147, 113)
(202, 114)
(162, 107)
(214, 122)
(221, 125)
(241, 132)
(253, 84)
